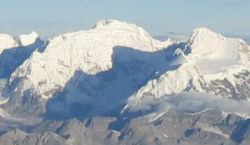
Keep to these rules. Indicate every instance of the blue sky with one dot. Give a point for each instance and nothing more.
(158, 17)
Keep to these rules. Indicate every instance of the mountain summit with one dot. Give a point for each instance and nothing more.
(212, 48)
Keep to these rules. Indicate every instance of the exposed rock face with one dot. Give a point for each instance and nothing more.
(18, 137)
(173, 128)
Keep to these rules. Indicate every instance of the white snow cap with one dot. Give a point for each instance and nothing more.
(104, 23)
(112, 24)
(28, 39)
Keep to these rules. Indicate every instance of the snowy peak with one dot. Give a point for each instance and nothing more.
(203, 31)
(212, 57)
(88, 51)
(7, 41)
(211, 45)
(212, 52)
(110, 23)
(28, 39)
(114, 24)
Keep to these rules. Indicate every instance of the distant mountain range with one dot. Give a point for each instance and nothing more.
(115, 84)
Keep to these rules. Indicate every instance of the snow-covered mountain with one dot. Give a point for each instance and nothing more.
(116, 69)
(215, 64)
(118, 58)
(89, 51)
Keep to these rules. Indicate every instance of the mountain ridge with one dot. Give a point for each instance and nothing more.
(46, 73)
(115, 84)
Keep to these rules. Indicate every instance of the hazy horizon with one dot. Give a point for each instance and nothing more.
(160, 18)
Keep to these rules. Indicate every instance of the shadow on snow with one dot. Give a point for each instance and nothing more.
(12, 58)
(105, 93)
